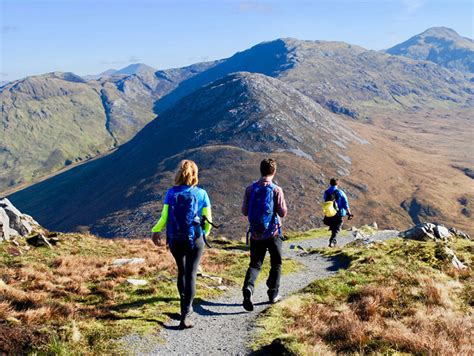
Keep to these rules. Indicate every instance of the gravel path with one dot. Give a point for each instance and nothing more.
(222, 326)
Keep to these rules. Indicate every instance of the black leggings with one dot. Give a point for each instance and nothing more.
(187, 261)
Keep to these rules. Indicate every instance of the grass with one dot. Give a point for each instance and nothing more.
(399, 297)
(70, 299)
(295, 236)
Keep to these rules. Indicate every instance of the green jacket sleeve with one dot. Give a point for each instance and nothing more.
(207, 226)
(160, 224)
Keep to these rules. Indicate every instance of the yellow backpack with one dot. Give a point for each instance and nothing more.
(330, 207)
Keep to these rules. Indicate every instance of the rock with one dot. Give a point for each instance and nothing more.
(14, 223)
(38, 240)
(2, 283)
(214, 278)
(459, 233)
(223, 288)
(363, 242)
(137, 282)
(441, 232)
(454, 259)
(429, 231)
(374, 226)
(127, 261)
(297, 247)
(76, 335)
(420, 232)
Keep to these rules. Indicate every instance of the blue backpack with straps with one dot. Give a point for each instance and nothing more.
(261, 211)
(185, 220)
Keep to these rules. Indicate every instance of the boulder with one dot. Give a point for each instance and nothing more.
(14, 223)
(430, 231)
(420, 232)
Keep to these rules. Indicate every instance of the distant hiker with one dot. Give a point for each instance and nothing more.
(335, 207)
(184, 208)
(264, 204)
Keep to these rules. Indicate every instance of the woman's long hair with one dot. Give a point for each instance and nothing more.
(187, 173)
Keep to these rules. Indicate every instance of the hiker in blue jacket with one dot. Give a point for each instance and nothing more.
(185, 207)
(334, 193)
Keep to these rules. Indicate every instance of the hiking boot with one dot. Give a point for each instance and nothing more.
(185, 323)
(248, 303)
(332, 243)
(275, 299)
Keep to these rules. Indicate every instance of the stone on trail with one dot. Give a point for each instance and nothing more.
(127, 261)
(137, 282)
(214, 278)
(297, 247)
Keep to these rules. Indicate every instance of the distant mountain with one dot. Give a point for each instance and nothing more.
(136, 68)
(226, 127)
(440, 45)
(107, 73)
(50, 121)
(344, 78)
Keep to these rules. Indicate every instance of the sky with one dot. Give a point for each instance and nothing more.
(90, 36)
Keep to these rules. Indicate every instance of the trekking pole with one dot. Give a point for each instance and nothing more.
(204, 219)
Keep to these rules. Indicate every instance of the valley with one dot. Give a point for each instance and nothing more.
(397, 131)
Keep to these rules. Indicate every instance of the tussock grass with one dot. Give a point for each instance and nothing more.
(70, 299)
(401, 297)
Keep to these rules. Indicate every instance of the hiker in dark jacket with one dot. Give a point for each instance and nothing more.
(342, 206)
(264, 204)
(185, 238)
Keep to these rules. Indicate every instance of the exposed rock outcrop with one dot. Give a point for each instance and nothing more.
(430, 231)
(14, 223)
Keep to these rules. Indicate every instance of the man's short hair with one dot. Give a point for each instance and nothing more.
(268, 167)
(334, 181)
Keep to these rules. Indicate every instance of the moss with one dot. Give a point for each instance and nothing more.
(311, 234)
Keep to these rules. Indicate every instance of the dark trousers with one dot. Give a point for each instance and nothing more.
(258, 250)
(187, 260)
(335, 225)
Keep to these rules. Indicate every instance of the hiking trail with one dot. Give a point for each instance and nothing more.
(222, 326)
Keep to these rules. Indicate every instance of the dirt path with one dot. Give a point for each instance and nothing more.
(223, 327)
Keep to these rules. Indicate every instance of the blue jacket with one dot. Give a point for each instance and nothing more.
(341, 200)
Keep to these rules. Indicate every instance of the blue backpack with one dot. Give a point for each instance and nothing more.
(185, 220)
(261, 213)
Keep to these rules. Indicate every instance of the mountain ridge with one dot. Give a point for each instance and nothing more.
(440, 45)
(248, 111)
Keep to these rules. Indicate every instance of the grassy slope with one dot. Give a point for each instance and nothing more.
(70, 299)
(402, 296)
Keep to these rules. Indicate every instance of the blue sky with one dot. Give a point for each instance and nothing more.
(90, 36)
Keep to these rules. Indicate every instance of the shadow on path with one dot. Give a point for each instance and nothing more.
(200, 307)
(338, 262)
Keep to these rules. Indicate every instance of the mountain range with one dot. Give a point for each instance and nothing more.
(321, 108)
